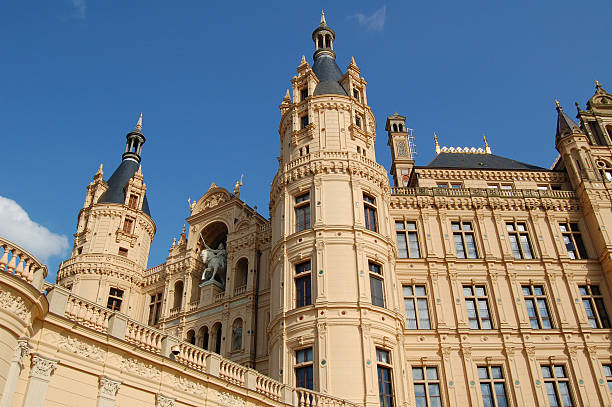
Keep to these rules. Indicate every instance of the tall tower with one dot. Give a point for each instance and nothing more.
(113, 237)
(401, 144)
(333, 302)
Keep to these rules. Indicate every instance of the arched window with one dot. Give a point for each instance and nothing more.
(401, 127)
(237, 335)
(242, 274)
(609, 130)
(178, 294)
(394, 127)
(203, 337)
(217, 337)
(191, 337)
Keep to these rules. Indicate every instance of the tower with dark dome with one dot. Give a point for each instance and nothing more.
(114, 233)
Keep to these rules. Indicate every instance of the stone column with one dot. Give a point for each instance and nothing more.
(42, 368)
(107, 392)
(23, 350)
(163, 401)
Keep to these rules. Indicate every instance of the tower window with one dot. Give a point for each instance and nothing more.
(369, 210)
(115, 297)
(303, 295)
(304, 121)
(358, 121)
(303, 94)
(385, 382)
(303, 369)
(133, 201)
(356, 94)
(127, 225)
(302, 212)
(123, 252)
(377, 290)
(407, 240)
(155, 308)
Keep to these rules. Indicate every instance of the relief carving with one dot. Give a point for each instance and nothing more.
(140, 368)
(73, 345)
(108, 387)
(42, 367)
(163, 401)
(16, 305)
(188, 386)
(230, 400)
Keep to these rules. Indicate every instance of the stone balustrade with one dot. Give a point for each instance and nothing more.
(175, 311)
(192, 356)
(219, 297)
(19, 262)
(232, 372)
(87, 313)
(144, 336)
(240, 290)
(193, 305)
(483, 192)
(309, 398)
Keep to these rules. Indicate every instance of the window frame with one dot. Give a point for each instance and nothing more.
(462, 233)
(573, 237)
(376, 274)
(607, 371)
(155, 306)
(302, 90)
(426, 382)
(407, 233)
(369, 212)
(128, 225)
(535, 298)
(386, 400)
(595, 301)
(302, 211)
(304, 366)
(303, 274)
(491, 381)
(415, 304)
(123, 252)
(115, 299)
(555, 382)
(516, 233)
(304, 121)
(133, 201)
(477, 299)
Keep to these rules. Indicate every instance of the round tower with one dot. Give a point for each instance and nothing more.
(334, 306)
(114, 233)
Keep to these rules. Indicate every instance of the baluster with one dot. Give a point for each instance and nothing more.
(4, 258)
(28, 272)
(19, 268)
(12, 263)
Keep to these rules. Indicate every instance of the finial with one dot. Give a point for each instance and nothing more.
(487, 148)
(303, 61)
(183, 231)
(287, 95)
(139, 170)
(323, 22)
(139, 123)
(174, 242)
(437, 146)
(353, 61)
(558, 105)
(597, 85)
(100, 169)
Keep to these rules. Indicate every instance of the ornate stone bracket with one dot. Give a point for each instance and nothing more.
(42, 366)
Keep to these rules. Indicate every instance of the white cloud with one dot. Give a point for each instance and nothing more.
(80, 8)
(16, 226)
(374, 22)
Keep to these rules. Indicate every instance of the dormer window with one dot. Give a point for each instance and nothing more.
(133, 201)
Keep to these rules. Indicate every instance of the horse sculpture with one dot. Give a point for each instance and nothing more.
(215, 262)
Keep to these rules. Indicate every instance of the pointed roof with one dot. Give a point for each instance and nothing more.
(565, 125)
(478, 161)
(118, 182)
(601, 97)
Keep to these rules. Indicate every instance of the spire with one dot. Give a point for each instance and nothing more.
(436, 145)
(287, 96)
(597, 85)
(323, 22)
(487, 148)
(565, 125)
(134, 141)
(139, 123)
(324, 65)
(303, 61)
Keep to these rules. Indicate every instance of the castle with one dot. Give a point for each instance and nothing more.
(473, 280)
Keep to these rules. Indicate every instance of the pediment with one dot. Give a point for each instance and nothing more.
(214, 197)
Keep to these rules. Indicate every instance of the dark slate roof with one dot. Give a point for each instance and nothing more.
(479, 161)
(329, 74)
(565, 125)
(117, 183)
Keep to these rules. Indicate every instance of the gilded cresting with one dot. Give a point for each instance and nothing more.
(327, 241)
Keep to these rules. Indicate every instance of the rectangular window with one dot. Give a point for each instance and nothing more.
(127, 225)
(463, 235)
(537, 308)
(369, 209)
(594, 306)
(123, 252)
(573, 241)
(519, 240)
(133, 201)
(385, 383)
(557, 386)
(356, 94)
(155, 308)
(115, 297)
(492, 386)
(608, 372)
(407, 240)
(416, 307)
(302, 212)
(377, 290)
(302, 284)
(303, 369)
(303, 95)
(426, 386)
(303, 121)
(477, 304)
(358, 121)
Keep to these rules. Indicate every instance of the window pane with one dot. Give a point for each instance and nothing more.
(417, 374)
(434, 395)
(553, 401)
(500, 395)
(603, 315)
(496, 372)
(483, 373)
(413, 242)
(432, 373)
(487, 398)
(607, 370)
(376, 290)
(471, 247)
(526, 247)
(480, 291)
(526, 290)
(467, 291)
(399, 225)
(411, 322)
(515, 248)
(564, 392)
(419, 395)
(419, 290)
(402, 247)
(407, 290)
(411, 225)
(546, 372)
(559, 371)
(459, 246)
(583, 290)
(423, 313)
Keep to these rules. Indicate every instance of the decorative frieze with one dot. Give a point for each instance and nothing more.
(230, 400)
(16, 305)
(189, 386)
(86, 350)
(140, 368)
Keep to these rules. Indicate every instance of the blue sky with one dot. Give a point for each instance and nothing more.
(209, 78)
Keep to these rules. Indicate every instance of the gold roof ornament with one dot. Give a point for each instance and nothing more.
(323, 22)
(100, 170)
(303, 61)
(487, 148)
(287, 95)
(437, 146)
(597, 85)
(139, 123)
(558, 105)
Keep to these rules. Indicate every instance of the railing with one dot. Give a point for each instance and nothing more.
(192, 356)
(175, 311)
(19, 262)
(87, 313)
(193, 305)
(309, 398)
(268, 387)
(232, 372)
(155, 269)
(484, 192)
(144, 336)
(240, 290)
(219, 297)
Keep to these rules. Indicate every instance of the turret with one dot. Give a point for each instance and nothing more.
(401, 143)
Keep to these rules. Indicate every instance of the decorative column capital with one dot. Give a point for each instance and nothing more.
(22, 351)
(163, 401)
(108, 387)
(42, 366)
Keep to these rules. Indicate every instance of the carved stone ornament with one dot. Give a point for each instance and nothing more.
(140, 368)
(86, 350)
(229, 400)
(16, 305)
(163, 401)
(22, 351)
(214, 200)
(108, 387)
(42, 366)
(188, 386)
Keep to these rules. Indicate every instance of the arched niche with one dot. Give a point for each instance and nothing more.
(237, 335)
(178, 294)
(241, 273)
(213, 235)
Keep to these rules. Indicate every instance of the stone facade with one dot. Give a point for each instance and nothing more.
(473, 280)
